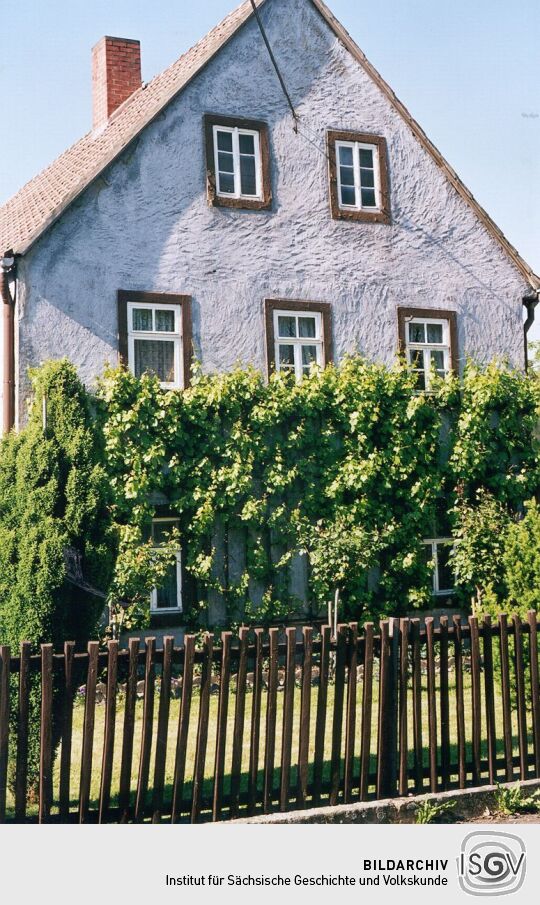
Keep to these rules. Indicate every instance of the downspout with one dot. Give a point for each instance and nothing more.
(530, 304)
(7, 272)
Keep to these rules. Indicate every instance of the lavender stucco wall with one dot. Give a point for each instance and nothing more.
(147, 224)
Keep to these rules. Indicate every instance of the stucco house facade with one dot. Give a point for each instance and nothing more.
(206, 216)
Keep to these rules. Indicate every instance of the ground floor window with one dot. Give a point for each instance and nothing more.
(437, 553)
(167, 598)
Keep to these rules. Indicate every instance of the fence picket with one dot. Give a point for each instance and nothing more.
(239, 719)
(162, 729)
(183, 729)
(383, 753)
(475, 693)
(489, 695)
(460, 701)
(444, 702)
(520, 695)
(403, 682)
(68, 692)
(110, 725)
(367, 707)
(305, 714)
(202, 729)
(21, 770)
(320, 723)
(124, 793)
(5, 663)
(221, 729)
(288, 712)
(337, 718)
(271, 712)
(505, 693)
(432, 706)
(417, 706)
(255, 722)
(88, 731)
(147, 726)
(535, 690)
(350, 726)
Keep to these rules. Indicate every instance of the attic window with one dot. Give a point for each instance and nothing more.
(358, 177)
(238, 167)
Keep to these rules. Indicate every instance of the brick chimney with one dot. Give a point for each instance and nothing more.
(116, 74)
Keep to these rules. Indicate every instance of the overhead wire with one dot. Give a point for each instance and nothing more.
(296, 117)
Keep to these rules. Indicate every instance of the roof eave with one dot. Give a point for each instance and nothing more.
(124, 144)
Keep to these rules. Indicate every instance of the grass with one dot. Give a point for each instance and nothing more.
(78, 721)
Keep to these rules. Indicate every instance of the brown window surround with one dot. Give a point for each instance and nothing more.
(256, 204)
(322, 308)
(367, 216)
(156, 298)
(405, 314)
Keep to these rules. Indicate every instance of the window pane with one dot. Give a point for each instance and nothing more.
(225, 163)
(154, 357)
(348, 195)
(167, 593)
(165, 321)
(366, 158)
(434, 333)
(420, 380)
(142, 318)
(417, 333)
(346, 156)
(286, 326)
(161, 531)
(306, 326)
(428, 555)
(247, 144)
(309, 354)
(346, 175)
(368, 198)
(248, 185)
(286, 356)
(226, 183)
(367, 178)
(417, 358)
(438, 359)
(224, 141)
(446, 576)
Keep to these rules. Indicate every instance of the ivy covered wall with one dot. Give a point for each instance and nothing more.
(285, 491)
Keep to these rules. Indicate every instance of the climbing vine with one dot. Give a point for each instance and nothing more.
(341, 474)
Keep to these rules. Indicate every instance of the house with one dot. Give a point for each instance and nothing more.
(221, 213)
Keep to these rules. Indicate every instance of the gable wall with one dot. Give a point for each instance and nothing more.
(146, 224)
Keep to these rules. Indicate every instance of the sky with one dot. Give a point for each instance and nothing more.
(467, 71)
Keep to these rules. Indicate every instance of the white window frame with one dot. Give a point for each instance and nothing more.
(356, 147)
(160, 336)
(236, 131)
(154, 592)
(428, 348)
(298, 341)
(434, 543)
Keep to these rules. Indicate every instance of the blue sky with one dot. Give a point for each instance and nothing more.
(467, 70)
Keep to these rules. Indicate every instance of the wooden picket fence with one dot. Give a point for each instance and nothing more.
(269, 720)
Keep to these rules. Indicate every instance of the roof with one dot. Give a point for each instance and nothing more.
(33, 209)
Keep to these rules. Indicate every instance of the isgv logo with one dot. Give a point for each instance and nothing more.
(491, 864)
